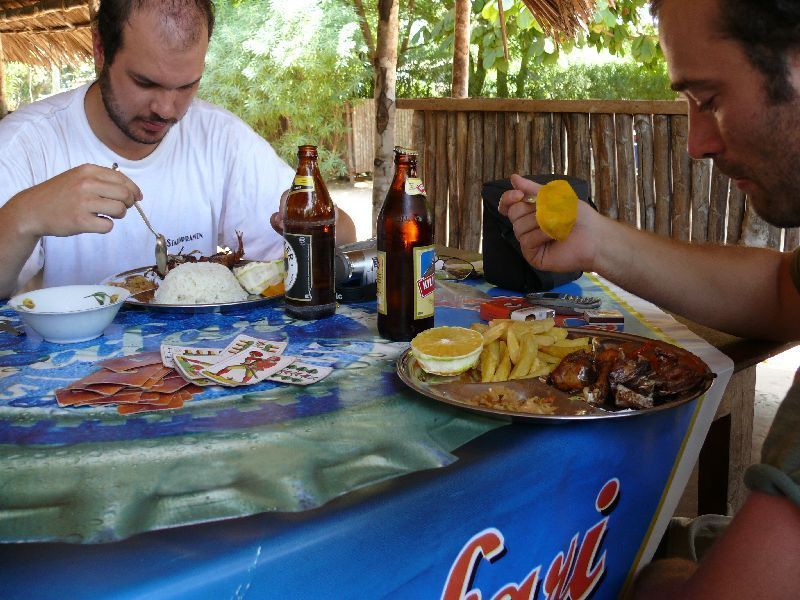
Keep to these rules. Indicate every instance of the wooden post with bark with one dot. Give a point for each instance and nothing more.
(3, 103)
(460, 73)
(385, 65)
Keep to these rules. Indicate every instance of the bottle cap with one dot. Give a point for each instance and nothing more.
(407, 151)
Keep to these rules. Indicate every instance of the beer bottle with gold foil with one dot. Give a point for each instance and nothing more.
(309, 242)
(406, 255)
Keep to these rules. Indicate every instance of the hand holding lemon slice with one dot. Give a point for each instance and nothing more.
(556, 209)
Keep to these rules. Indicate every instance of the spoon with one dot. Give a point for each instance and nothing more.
(161, 241)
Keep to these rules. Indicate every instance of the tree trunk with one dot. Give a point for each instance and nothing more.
(385, 66)
(407, 35)
(502, 84)
(477, 75)
(522, 76)
(365, 30)
(3, 103)
(460, 85)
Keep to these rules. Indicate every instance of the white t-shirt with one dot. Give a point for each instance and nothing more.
(209, 177)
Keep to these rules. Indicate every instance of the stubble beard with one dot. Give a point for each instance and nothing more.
(117, 115)
(776, 173)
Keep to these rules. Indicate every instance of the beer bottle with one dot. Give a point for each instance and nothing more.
(309, 242)
(406, 255)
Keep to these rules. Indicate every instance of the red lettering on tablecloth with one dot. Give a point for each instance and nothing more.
(488, 543)
(573, 576)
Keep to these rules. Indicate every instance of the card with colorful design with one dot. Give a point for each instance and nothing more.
(299, 373)
(246, 368)
(243, 342)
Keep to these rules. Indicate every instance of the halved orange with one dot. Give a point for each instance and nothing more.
(447, 350)
(557, 209)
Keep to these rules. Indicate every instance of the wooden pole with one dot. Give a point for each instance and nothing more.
(503, 28)
(460, 79)
(3, 103)
(385, 94)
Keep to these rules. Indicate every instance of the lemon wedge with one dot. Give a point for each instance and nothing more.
(557, 209)
(258, 277)
(447, 350)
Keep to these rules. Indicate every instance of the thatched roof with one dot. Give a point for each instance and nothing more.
(45, 32)
(561, 17)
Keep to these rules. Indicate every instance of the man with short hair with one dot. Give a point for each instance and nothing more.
(737, 62)
(201, 173)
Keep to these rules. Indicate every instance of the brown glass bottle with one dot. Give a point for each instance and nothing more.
(406, 255)
(309, 242)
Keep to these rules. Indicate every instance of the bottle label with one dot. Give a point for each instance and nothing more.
(381, 283)
(414, 187)
(302, 182)
(424, 281)
(298, 261)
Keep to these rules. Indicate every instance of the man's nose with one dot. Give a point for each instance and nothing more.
(164, 104)
(704, 140)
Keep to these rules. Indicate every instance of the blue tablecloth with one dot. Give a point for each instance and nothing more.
(337, 477)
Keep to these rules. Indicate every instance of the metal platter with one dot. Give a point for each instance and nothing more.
(144, 300)
(462, 391)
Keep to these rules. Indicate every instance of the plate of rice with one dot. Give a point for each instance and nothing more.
(203, 286)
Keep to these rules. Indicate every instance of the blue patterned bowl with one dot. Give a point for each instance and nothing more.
(69, 313)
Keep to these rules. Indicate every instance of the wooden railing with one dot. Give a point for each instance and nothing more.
(633, 153)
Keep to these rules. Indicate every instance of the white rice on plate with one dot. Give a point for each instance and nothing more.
(199, 283)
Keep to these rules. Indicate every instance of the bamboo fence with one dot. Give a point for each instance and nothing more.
(633, 153)
(361, 123)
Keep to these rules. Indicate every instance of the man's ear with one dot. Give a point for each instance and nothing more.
(97, 51)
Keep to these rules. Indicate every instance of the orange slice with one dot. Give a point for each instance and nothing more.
(447, 350)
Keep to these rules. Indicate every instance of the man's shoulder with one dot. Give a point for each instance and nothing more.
(202, 111)
(37, 115)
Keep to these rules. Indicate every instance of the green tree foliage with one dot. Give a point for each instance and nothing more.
(287, 69)
(24, 84)
(621, 29)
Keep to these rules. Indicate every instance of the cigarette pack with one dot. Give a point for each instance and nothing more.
(512, 307)
(603, 316)
(519, 309)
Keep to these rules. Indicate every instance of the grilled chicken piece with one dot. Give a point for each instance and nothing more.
(574, 372)
(626, 398)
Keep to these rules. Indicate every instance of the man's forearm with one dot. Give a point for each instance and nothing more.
(15, 248)
(725, 287)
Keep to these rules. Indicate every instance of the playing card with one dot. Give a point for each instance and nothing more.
(170, 384)
(169, 351)
(131, 362)
(191, 367)
(300, 373)
(175, 401)
(246, 368)
(69, 397)
(133, 378)
(243, 342)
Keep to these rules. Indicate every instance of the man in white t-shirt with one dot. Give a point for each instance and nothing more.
(200, 172)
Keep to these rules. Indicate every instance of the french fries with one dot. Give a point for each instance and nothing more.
(520, 349)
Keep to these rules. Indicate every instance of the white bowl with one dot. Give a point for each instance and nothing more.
(69, 313)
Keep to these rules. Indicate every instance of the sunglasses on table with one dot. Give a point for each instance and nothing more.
(450, 268)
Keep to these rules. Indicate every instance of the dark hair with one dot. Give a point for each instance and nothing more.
(113, 14)
(768, 30)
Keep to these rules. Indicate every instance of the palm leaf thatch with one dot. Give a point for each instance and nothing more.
(46, 32)
(561, 18)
